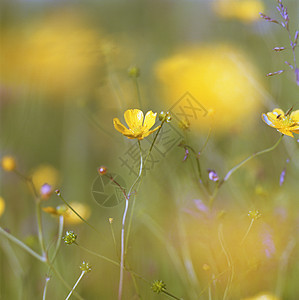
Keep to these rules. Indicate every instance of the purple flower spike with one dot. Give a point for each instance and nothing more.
(186, 154)
(282, 177)
(213, 175)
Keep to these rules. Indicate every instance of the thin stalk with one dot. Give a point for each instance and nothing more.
(98, 255)
(138, 92)
(170, 295)
(230, 172)
(122, 253)
(229, 262)
(247, 232)
(113, 237)
(59, 238)
(22, 245)
(46, 287)
(81, 218)
(40, 228)
(75, 285)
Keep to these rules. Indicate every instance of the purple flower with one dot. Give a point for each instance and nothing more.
(46, 191)
(213, 175)
(282, 176)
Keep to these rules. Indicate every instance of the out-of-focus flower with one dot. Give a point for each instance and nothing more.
(206, 267)
(267, 241)
(285, 123)
(60, 53)
(243, 10)
(220, 78)
(45, 174)
(82, 209)
(213, 175)
(46, 191)
(69, 216)
(254, 214)
(8, 163)
(2, 206)
(263, 296)
(137, 128)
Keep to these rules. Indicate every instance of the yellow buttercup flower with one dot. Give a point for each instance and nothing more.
(8, 163)
(138, 129)
(286, 123)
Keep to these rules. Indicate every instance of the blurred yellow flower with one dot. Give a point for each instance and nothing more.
(45, 174)
(2, 206)
(220, 78)
(82, 209)
(243, 10)
(59, 53)
(8, 163)
(285, 123)
(137, 128)
(263, 296)
(69, 216)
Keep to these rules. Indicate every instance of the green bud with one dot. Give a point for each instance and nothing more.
(134, 72)
(70, 237)
(85, 267)
(158, 286)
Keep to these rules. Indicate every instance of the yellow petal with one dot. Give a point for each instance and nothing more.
(286, 132)
(295, 116)
(268, 119)
(149, 120)
(149, 132)
(120, 127)
(278, 111)
(134, 118)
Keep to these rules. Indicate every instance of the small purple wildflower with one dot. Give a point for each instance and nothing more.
(46, 191)
(282, 177)
(201, 206)
(213, 175)
(186, 154)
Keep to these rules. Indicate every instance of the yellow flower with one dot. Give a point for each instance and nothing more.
(8, 163)
(262, 296)
(45, 174)
(220, 77)
(243, 10)
(69, 216)
(285, 123)
(137, 128)
(2, 206)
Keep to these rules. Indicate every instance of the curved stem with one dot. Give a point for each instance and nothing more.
(247, 232)
(230, 172)
(75, 285)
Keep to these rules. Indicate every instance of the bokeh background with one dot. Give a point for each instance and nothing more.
(64, 77)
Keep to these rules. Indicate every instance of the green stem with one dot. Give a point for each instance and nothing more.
(247, 232)
(75, 285)
(230, 172)
(229, 262)
(170, 295)
(40, 228)
(59, 238)
(22, 245)
(46, 287)
(114, 240)
(98, 255)
(138, 92)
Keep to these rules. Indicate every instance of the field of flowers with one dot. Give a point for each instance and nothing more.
(149, 149)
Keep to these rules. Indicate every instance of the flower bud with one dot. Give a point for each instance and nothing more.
(46, 191)
(85, 267)
(8, 163)
(134, 72)
(102, 170)
(70, 237)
